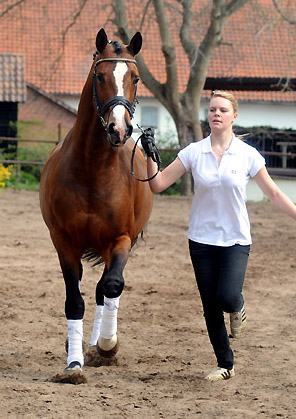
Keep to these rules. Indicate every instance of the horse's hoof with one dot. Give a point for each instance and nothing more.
(94, 359)
(107, 348)
(74, 366)
(71, 375)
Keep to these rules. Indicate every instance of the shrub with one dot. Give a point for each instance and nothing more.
(167, 157)
(5, 173)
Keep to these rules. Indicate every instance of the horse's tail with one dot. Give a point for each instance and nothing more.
(97, 260)
(93, 258)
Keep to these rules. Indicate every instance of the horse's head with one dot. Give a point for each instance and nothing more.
(115, 83)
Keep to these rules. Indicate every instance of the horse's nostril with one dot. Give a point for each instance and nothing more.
(129, 131)
(111, 128)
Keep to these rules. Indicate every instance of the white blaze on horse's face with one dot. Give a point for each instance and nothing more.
(119, 110)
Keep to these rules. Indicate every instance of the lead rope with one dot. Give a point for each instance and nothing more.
(132, 162)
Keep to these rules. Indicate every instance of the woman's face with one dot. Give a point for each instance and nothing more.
(221, 114)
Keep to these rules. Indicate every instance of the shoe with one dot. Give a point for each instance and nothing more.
(220, 374)
(238, 322)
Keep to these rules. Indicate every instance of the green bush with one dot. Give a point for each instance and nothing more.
(27, 176)
(167, 157)
(36, 154)
(22, 180)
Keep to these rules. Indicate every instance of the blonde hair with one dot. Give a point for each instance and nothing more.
(228, 96)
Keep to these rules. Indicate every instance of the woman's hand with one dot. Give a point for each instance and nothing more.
(149, 146)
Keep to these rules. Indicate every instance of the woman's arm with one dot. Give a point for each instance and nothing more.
(166, 177)
(272, 191)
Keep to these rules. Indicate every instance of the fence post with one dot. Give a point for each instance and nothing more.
(59, 132)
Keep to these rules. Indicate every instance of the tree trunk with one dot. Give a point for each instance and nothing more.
(186, 184)
(188, 131)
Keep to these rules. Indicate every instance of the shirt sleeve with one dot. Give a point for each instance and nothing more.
(185, 157)
(256, 163)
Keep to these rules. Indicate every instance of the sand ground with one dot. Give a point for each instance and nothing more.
(164, 348)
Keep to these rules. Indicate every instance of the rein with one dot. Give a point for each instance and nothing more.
(116, 100)
(132, 162)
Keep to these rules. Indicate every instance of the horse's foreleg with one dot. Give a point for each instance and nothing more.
(74, 310)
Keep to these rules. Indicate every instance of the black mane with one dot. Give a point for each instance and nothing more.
(117, 47)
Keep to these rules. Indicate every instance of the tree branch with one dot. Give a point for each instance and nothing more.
(74, 20)
(65, 31)
(203, 53)
(279, 10)
(233, 6)
(10, 7)
(185, 30)
(123, 32)
(168, 51)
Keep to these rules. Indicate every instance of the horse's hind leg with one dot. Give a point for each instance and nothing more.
(98, 314)
(112, 287)
(107, 344)
(106, 313)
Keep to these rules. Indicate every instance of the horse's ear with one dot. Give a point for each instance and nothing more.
(101, 40)
(135, 44)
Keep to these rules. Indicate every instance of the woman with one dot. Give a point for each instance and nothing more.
(219, 228)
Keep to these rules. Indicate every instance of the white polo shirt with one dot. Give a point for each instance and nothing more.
(219, 215)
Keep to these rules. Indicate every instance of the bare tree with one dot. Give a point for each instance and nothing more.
(182, 106)
(198, 45)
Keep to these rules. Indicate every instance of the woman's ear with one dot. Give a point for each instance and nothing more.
(235, 115)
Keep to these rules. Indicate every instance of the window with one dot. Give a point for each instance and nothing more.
(149, 116)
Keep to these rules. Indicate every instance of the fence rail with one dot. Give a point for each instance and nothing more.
(28, 140)
(25, 140)
(277, 168)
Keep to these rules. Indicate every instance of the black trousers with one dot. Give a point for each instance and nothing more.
(220, 273)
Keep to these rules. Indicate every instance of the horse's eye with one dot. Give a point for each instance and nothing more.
(100, 77)
(136, 80)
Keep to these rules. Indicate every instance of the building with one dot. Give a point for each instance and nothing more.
(58, 40)
(12, 93)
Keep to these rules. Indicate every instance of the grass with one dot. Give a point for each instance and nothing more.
(22, 180)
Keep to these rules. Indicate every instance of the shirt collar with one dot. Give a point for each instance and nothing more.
(233, 149)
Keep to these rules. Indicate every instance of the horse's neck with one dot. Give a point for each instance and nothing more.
(88, 135)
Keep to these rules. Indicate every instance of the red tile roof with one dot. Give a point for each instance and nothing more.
(12, 77)
(58, 42)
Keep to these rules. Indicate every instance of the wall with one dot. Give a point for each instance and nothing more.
(288, 186)
(281, 116)
(276, 115)
(39, 117)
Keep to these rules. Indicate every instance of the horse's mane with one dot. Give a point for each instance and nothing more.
(117, 47)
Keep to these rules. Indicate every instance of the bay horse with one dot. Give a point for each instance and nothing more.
(90, 202)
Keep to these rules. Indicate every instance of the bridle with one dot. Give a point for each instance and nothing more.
(118, 100)
(115, 100)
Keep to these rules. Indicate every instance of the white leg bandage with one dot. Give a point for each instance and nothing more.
(97, 326)
(75, 337)
(109, 321)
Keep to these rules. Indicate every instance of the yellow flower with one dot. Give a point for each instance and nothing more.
(4, 175)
